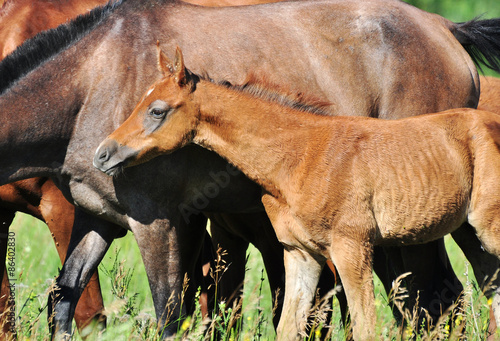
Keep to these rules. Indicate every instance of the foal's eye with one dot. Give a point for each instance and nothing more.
(157, 113)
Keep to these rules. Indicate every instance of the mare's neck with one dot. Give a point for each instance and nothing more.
(265, 140)
(37, 123)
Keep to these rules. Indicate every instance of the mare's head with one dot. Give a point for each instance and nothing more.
(162, 122)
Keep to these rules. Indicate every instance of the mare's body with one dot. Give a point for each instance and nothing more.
(19, 21)
(333, 187)
(96, 80)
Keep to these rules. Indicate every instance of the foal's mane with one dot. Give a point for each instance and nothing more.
(3, 6)
(35, 51)
(261, 87)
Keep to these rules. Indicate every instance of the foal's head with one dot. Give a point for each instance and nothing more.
(163, 121)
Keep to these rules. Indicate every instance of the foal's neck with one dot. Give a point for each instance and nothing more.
(264, 139)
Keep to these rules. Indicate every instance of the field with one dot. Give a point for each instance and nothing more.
(129, 306)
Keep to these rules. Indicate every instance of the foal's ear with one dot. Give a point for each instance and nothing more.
(165, 66)
(179, 68)
(175, 69)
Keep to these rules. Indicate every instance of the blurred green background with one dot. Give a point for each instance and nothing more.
(460, 10)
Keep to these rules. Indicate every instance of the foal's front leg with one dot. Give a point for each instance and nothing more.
(302, 271)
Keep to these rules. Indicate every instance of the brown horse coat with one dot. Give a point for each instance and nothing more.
(490, 94)
(23, 19)
(333, 187)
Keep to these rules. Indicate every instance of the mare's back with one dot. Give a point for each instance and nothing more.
(332, 48)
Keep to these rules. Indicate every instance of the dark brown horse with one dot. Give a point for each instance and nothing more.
(107, 60)
(333, 187)
(21, 20)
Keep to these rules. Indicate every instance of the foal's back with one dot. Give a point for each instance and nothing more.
(412, 179)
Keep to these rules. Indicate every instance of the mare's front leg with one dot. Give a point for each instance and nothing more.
(233, 232)
(90, 239)
(224, 236)
(170, 250)
(59, 215)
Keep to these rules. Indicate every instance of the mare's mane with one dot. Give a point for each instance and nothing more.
(261, 87)
(35, 51)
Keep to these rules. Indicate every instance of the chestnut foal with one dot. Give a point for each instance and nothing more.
(333, 187)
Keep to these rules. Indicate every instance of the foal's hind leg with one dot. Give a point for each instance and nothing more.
(354, 262)
(485, 267)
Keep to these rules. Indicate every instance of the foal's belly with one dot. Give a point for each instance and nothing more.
(420, 218)
(416, 232)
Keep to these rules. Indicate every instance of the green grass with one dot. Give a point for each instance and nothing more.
(131, 311)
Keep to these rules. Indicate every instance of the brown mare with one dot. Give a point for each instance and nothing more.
(333, 187)
(102, 63)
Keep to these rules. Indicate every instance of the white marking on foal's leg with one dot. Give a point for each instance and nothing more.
(302, 275)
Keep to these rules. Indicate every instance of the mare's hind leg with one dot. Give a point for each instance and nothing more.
(432, 280)
(90, 239)
(234, 247)
(485, 267)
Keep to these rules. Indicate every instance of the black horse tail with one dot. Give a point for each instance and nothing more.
(481, 39)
